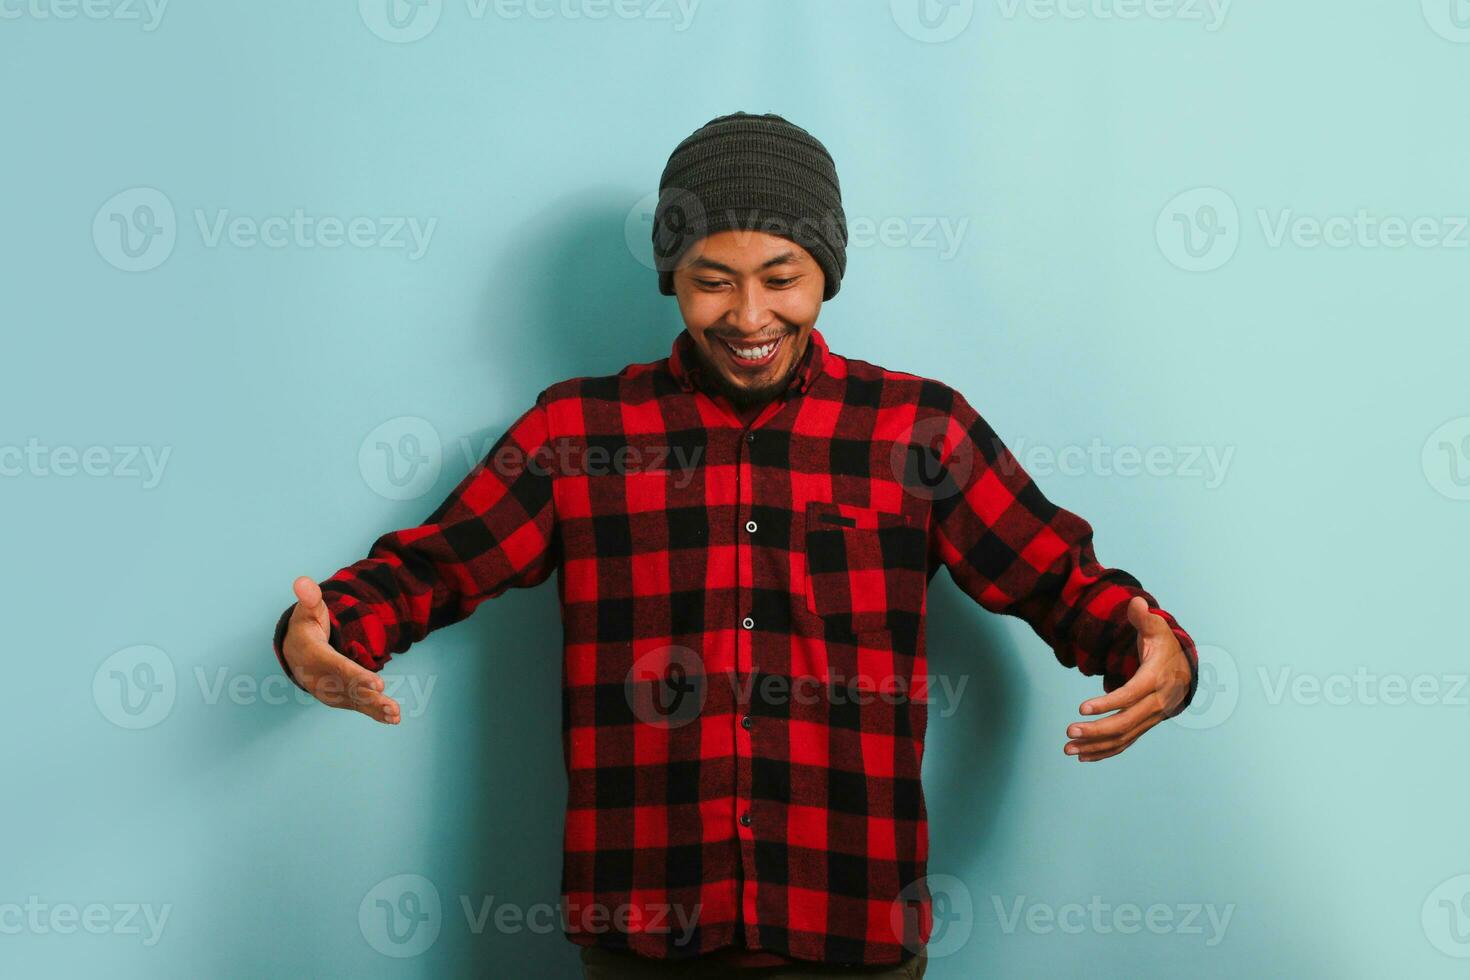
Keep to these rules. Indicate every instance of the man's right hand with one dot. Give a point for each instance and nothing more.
(333, 679)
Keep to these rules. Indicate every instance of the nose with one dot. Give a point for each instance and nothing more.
(748, 311)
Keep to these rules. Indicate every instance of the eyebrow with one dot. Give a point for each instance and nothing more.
(704, 263)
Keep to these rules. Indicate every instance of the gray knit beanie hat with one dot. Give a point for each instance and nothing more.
(757, 173)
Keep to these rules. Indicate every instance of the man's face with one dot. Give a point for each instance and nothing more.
(749, 299)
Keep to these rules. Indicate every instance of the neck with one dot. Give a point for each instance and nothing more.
(746, 402)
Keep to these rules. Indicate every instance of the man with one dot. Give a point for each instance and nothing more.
(744, 533)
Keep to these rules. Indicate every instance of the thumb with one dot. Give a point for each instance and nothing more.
(309, 601)
(1138, 615)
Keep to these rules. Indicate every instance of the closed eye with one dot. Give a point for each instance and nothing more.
(774, 283)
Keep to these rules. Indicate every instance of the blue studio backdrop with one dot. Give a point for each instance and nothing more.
(274, 275)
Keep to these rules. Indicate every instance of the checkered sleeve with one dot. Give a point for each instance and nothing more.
(1015, 552)
(496, 530)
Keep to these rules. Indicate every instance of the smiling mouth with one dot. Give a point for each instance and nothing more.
(748, 356)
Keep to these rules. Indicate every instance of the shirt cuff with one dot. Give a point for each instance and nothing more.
(280, 638)
(1191, 653)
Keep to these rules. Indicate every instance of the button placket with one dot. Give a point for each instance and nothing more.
(744, 546)
(744, 640)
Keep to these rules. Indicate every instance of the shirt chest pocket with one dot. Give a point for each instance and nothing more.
(865, 569)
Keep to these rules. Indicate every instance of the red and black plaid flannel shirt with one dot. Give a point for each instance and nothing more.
(743, 606)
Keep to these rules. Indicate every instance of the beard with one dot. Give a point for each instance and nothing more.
(743, 397)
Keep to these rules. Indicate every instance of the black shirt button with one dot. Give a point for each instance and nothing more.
(745, 819)
(746, 723)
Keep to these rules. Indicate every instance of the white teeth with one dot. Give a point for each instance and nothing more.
(753, 353)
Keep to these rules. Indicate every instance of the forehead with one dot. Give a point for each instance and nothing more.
(746, 251)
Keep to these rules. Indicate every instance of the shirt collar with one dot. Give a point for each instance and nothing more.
(684, 362)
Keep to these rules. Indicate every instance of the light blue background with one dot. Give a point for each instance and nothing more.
(1333, 542)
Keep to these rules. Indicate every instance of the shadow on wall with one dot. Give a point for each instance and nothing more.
(589, 307)
(591, 303)
(496, 810)
(970, 748)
